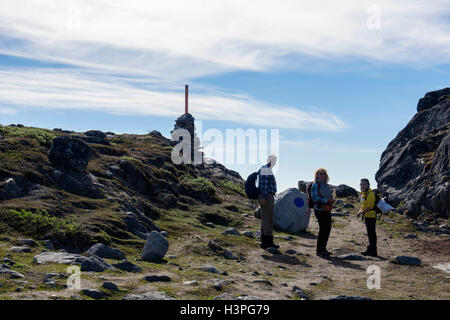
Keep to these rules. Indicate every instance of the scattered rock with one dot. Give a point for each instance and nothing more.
(352, 257)
(95, 264)
(103, 251)
(210, 224)
(210, 269)
(49, 245)
(94, 294)
(12, 274)
(127, 266)
(344, 297)
(158, 295)
(410, 236)
(246, 298)
(443, 266)
(191, 283)
(9, 189)
(28, 242)
(406, 260)
(218, 285)
(248, 234)
(263, 281)
(155, 248)
(165, 234)
(343, 191)
(110, 286)
(155, 278)
(291, 251)
(58, 257)
(229, 255)
(22, 249)
(70, 153)
(232, 231)
(297, 291)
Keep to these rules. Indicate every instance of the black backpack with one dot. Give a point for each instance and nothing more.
(377, 198)
(310, 200)
(251, 190)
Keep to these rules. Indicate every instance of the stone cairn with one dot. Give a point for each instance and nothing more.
(186, 121)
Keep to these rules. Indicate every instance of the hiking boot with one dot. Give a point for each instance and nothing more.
(369, 253)
(323, 253)
(270, 239)
(264, 242)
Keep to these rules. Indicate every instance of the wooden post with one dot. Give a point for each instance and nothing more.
(186, 99)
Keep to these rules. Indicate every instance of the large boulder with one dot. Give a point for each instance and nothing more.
(343, 191)
(70, 153)
(58, 257)
(290, 211)
(9, 189)
(155, 248)
(103, 251)
(414, 169)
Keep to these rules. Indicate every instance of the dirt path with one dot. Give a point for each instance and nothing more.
(277, 274)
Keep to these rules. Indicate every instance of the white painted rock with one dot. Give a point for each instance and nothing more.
(290, 211)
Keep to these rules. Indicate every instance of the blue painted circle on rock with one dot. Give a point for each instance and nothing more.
(299, 202)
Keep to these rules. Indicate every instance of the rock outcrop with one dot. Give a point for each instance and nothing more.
(414, 170)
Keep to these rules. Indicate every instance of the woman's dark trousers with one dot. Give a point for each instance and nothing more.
(324, 219)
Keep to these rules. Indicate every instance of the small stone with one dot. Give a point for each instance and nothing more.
(263, 281)
(352, 257)
(218, 285)
(110, 286)
(165, 234)
(410, 236)
(158, 295)
(268, 274)
(49, 245)
(248, 234)
(28, 242)
(127, 266)
(22, 249)
(191, 283)
(406, 260)
(210, 225)
(93, 293)
(157, 278)
(344, 297)
(290, 251)
(209, 268)
(231, 231)
(299, 293)
(255, 273)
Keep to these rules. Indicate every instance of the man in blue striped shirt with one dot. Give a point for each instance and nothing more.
(268, 188)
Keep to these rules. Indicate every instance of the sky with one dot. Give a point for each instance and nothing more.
(336, 80)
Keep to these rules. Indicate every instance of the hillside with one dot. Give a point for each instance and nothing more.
(79, 189)
(414, 169)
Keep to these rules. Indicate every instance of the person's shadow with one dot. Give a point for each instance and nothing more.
(343, 263)
(285, 259)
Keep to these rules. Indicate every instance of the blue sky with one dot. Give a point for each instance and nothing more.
(338, 80)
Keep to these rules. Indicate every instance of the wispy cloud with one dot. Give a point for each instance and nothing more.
(321, 145)
(71, 89)
(187, 39)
